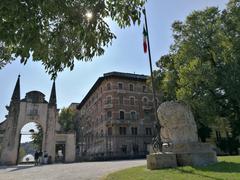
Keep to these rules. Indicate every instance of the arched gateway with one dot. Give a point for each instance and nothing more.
(33, 108)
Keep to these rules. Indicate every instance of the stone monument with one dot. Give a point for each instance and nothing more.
(179, 132)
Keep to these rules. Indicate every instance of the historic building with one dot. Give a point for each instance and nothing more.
(34, 108)
(116, 117)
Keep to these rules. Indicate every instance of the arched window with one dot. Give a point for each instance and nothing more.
(133, 115)
(145, 100)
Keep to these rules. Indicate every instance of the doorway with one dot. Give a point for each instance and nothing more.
(60, 152)
(30, 141)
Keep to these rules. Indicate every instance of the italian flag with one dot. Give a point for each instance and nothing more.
(145, 47)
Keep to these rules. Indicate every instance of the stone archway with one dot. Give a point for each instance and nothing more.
(31, 139)
(33, 108)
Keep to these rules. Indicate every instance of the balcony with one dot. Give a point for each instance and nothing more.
(107, 106)
(118, 122)
(147, 107)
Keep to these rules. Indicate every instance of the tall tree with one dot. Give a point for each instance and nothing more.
(67, 119)
(57, 32)
(202, 67)
(38, 137)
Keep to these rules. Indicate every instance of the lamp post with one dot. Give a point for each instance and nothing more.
(157, 142)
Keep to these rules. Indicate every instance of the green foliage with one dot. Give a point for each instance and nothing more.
(38, 138)
(203, 66)
(22, 153)
(67, 120)
(57, 32)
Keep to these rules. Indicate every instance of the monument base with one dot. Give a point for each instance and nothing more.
(161, 160)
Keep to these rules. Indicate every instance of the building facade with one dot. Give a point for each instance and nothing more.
(116, 117)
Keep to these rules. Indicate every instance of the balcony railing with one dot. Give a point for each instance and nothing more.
(107, 106)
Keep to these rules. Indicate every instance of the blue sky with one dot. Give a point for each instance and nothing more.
(125, 55)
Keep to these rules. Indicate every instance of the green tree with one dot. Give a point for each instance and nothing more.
(57, 32)
(203, 66)
(67, 120)
(38, 138)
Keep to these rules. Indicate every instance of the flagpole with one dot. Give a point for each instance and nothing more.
(157, 143)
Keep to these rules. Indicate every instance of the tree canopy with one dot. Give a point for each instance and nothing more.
(203, 66)
(37, 138)
(57, 32)
(67, 120)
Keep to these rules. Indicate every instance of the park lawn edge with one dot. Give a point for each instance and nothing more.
(219, 168)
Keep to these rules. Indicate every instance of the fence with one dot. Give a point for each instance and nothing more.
(113, 147)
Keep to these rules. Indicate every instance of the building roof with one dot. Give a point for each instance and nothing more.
(122, 75)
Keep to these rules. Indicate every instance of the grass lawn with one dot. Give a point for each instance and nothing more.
(228, 167)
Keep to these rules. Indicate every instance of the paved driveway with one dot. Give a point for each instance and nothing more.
(79, 171)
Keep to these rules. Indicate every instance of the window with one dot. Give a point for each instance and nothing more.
(148, 131)
(147, 114)
(120, 99)
(120, 86)
(133, 115)
(124, 148)
(134, 131)
(144, 88)
(145, 101)
(122, 131)
(108, 86)
(132, 99)
(135, 148)
(121, 114)
(131, 87)
(109, 114)
(110, 131)
(109, 100)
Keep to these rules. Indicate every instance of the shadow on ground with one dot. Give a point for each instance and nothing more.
(21, 167)
(17, 168)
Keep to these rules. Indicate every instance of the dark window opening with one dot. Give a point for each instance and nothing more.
(131, 87)
(124, 149)
(110, 131)
(148, 131)
(120, 86)
(134, 131)
(133, 115)
(122, 130)
(121, 115)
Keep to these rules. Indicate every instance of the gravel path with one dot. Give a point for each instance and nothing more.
(79, 171)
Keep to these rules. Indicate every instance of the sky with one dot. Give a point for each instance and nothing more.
(124, 55)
